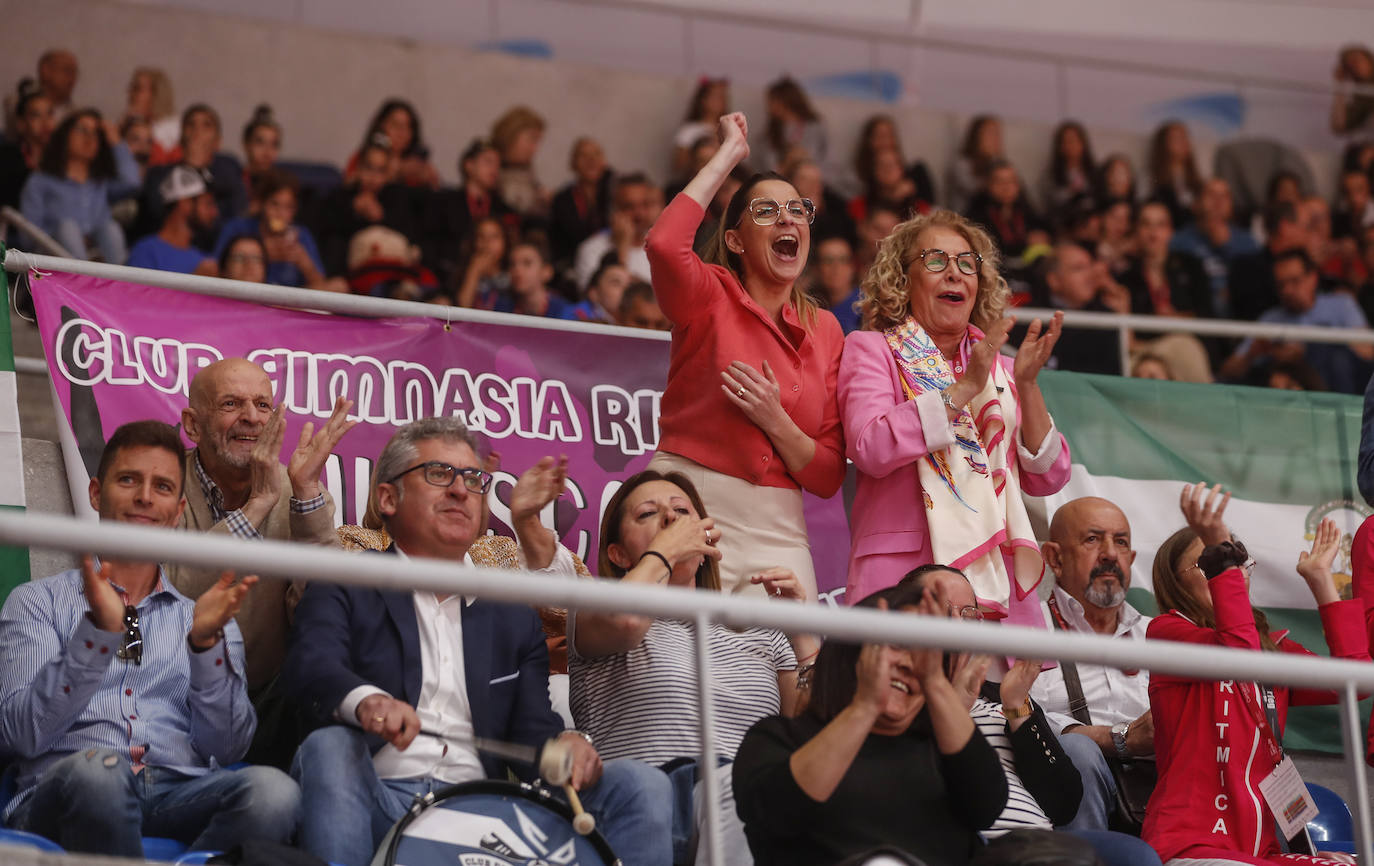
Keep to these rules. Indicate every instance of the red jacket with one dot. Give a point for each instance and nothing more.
(1210, 754)
(715, 322)
(1362, 584)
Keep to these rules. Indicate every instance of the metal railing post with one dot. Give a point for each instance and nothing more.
(1351, 733)
(710, 783)
(1123, 347)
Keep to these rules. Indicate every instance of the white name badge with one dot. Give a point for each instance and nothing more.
(1288, 798)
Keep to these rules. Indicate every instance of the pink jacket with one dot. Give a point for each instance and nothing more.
(885, 435)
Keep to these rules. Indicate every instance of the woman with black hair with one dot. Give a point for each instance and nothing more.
(1174, 177)
(749, 412)
(885, 754)
(1071, 171)
(22, 148)
(396, 125)
(68, 197)
(792, 123)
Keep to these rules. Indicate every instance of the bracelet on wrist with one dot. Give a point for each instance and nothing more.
(949, 403)
(661, 558)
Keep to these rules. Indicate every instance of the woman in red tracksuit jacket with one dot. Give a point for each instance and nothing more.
(1210, 746)
(1362, 579)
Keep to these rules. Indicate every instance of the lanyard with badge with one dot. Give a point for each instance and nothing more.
(1287, 797)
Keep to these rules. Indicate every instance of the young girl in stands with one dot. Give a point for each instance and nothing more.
(68, 197)
(293, 259)
(792, 123)
(1215, 742)
(1174, 178)
(879, 133)
(1071, 170)
(709, 102)
(749, 412)
(968, 173)
(397, 125)
(261, 144)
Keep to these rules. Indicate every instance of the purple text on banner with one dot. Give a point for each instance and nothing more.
(119, 352)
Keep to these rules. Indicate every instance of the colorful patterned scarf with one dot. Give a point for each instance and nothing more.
(971, 489)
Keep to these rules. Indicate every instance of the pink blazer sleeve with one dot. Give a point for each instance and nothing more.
(883, 430)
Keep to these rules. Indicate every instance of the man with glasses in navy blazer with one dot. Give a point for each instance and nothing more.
(409, 678)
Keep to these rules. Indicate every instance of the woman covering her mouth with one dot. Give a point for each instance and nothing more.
(749, 412)
(885, 755)
(944, 431)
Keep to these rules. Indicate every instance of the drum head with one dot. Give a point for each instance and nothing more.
(494, 823)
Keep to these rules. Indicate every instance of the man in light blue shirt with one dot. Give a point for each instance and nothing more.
(123, 699)
(1342, 368)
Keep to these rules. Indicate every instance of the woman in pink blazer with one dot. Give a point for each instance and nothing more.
(946, 433)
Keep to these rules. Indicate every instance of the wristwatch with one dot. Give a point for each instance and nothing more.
(1014, 713)
(1119, 732)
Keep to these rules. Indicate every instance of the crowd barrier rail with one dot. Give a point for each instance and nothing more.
(20, 262)
(286, 560)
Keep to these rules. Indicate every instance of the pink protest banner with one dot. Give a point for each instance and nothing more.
(120, 351)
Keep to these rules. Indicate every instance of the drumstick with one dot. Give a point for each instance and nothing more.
(583, 822)
(554, 761)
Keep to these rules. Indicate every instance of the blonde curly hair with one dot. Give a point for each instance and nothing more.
(886, 300)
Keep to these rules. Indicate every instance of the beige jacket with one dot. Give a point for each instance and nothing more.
(265, 618)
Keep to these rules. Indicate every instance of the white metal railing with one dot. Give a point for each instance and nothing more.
(18, 261)
(1125, 323)
(11, 217)
(283, 559)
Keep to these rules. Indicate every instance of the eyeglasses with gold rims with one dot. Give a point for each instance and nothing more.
(937, 260)
(443, 475)
(765, 211)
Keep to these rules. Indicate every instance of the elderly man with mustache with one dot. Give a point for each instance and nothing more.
(1090, 552)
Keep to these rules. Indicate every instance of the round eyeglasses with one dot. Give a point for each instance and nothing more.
(966, 612)
(765, 211)
(443, 475)
(937, 260)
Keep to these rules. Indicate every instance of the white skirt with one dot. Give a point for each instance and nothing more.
(761, 527)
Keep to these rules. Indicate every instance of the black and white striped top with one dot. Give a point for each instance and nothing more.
(643, 704)
(1022, 810)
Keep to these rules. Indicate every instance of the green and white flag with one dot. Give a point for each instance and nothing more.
(1288, 458)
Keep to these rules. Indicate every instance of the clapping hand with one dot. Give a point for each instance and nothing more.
(1036, 349)
(215, 607)
(307, 461)
(541, 484)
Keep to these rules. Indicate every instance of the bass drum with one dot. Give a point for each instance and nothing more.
(492, 823)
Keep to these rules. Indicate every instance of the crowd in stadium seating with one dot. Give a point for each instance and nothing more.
(128, 690)
(1163, 238)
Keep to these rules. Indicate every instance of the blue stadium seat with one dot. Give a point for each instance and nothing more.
(162, 850)
(1333, 828)
(27, 840)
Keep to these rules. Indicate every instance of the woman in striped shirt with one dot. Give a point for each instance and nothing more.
(633, 679)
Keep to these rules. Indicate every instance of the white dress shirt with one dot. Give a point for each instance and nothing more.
(443, 707)
(1113, 696)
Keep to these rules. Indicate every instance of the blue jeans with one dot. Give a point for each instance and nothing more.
(347, 810)
(92, 802)
(1118, 849)
(108, 238)
(1099, 788)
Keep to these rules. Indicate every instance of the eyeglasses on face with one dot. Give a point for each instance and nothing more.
(765, 211)
(968, 612)
(131, 650)
(1248, 566)
(937, 260)
(443, 475)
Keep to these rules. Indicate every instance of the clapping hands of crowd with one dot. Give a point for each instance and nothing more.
(305, 465)
(215, 607)
(1204, 510)
(1036, 349)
